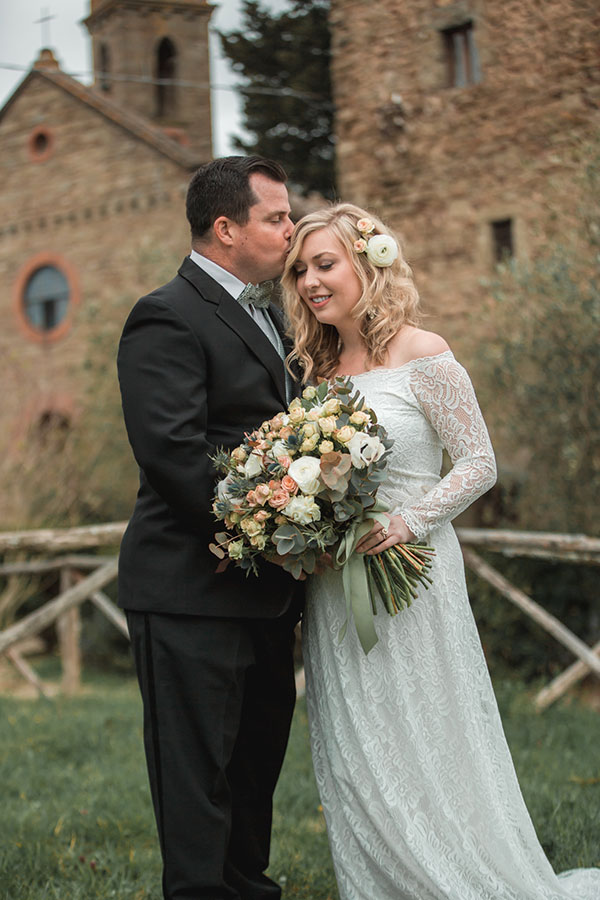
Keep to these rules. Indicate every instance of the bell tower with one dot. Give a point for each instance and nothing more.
(151, 57)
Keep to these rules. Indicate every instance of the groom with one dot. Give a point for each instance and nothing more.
(213, 652)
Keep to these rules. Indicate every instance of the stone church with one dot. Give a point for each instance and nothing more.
(92, 186)
(466, 124)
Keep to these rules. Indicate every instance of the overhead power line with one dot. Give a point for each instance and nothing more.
(148, 79)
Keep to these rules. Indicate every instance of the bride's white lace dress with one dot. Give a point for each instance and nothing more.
(416, 781)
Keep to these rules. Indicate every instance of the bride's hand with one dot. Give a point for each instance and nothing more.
(380, 538)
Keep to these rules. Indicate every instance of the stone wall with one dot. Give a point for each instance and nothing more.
(441, 163)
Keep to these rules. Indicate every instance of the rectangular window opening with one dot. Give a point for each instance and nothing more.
(502, 235)
(462, 60)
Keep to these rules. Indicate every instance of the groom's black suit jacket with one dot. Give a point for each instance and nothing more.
(196, 372)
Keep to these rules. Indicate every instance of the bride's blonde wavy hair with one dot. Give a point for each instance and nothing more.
(389, 298)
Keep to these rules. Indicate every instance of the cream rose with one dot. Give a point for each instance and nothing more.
(359, 417)
(309, 429)
(325, 447)
(297, 415)
(236, 549)
(309, 443)
(309, 393)
(302, 510)
(327, 425)
(306, 472)
(364, 449)
(382, 250)
(251, 527)
(331, 407)
(345, 434)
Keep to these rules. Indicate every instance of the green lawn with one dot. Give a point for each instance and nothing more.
(76, 820)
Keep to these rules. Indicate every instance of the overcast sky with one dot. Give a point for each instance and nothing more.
(21, 39)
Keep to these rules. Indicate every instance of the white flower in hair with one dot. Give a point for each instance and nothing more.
(382, 250)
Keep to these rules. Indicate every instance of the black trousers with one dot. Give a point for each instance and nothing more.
(218, 698)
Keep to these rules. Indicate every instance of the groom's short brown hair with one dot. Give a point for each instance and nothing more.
(222, 188)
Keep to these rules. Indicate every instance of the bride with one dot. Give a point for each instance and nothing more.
(416, 780)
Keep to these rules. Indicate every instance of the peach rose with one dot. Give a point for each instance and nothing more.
(263, 492)
(261, 515)
(279, 499)
(288, 484)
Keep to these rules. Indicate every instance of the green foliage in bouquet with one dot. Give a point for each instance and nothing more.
(305, 483)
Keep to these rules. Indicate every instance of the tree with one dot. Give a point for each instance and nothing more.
(538, 382)
(287, 101)
(539, 377)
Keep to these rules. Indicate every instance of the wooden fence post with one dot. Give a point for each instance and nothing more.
(68, 629)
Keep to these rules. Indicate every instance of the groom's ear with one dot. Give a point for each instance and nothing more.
(222, 229)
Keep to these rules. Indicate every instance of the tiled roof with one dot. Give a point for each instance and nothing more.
(46, 67)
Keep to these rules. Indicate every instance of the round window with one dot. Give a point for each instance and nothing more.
(40, 143)
(46, 298)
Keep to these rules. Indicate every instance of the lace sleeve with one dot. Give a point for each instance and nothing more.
(446, 396)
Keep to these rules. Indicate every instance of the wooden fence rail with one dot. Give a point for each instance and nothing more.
(83, 576)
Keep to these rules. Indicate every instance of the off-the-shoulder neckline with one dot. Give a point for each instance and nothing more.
(405, 365)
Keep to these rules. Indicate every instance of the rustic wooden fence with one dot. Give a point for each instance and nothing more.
(83, 577)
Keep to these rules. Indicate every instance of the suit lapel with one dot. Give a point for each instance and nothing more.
(230, 312)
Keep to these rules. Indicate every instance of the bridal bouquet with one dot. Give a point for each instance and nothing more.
(305, 483)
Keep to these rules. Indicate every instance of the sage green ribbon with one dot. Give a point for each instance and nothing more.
(354, 577)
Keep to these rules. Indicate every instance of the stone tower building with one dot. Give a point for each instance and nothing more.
(151, 58)
(465, 124)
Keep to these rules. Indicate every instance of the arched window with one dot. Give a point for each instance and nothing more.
(166, 70)
(46, 298)
(104, 62)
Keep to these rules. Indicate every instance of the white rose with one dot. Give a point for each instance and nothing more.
(278, 449)
(224, 486)
(306, 472)
(364, 449)
(302, 510)
(382, 250)
(253, 465)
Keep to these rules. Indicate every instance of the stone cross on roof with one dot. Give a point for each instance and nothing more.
(44, 21)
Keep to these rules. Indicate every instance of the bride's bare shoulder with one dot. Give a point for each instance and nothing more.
(413, 343)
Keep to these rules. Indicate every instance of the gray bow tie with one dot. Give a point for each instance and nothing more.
(258, 295)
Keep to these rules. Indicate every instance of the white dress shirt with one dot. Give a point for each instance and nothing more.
(234, 286)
